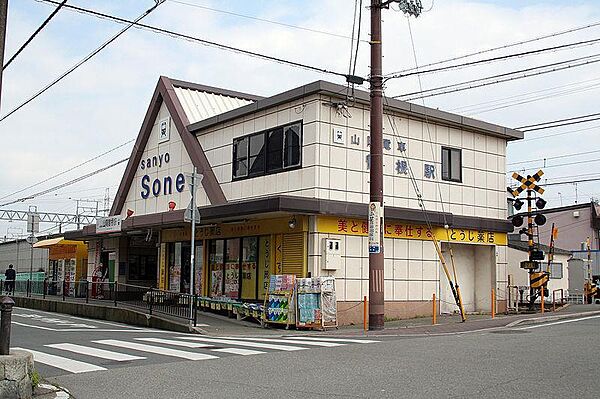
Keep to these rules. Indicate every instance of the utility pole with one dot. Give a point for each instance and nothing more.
(376, 210)
(3, 19)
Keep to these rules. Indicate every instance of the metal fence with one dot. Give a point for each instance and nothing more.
(149, 299)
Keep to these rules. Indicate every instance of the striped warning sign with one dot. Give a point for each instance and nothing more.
(528, 183)
(538, 279)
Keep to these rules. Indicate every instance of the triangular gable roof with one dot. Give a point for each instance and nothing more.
(199, 102)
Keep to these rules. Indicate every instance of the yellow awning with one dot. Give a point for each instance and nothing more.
(55, 241)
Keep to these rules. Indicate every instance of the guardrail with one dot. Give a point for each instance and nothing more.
(150, 299)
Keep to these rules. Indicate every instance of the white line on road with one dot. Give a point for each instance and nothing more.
(156, 349)
(175, 343)
(558, 322)
(73, 366)
(291, 341)
(238, 351)
(355, 341)
(89, 351)
(243, 343)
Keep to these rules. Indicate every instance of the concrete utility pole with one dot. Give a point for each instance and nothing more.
(3, 18)
(376, 218)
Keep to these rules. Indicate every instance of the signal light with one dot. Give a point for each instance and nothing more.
(540, 203)
(517, 220)
(518, 204)
(540, 219)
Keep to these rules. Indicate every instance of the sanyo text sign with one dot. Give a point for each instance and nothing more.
(158, 186)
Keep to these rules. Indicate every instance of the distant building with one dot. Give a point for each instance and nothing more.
(575, 224)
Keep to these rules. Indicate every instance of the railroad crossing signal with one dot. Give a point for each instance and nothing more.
(527, 184)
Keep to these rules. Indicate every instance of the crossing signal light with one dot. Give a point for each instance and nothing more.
(517, 220)
(540, 219)
(518, 204)
(540, 203)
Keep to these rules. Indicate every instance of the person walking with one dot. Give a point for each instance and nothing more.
(10, 275)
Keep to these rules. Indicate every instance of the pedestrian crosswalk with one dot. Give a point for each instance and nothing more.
(102, 354)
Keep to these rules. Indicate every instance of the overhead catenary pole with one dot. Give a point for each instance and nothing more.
(376, 280)
(3, 18)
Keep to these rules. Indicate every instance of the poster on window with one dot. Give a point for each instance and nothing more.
(199, 261)
(216, 282)
(232, 280)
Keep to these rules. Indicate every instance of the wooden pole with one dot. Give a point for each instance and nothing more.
(434, 312)
(542, 297)
(365, 314)
(493, 303)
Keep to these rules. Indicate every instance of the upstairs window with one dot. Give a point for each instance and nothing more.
(451, 164)
(271, 151)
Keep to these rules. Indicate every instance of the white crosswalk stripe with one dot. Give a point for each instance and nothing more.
(95, 352)
(238, 351)
(326, 339)
(175, 343)
(244, 343)
(63, 363)
(291, 341)
(156, 349)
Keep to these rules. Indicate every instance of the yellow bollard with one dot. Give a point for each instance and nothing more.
(493, 303)
(434, 313)
(365, 313)
(542, 297)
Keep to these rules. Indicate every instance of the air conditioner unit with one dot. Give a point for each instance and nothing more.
(331, 258)
(575, 214)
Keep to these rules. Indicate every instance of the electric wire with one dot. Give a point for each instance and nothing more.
(493, 59)
(194, 39)
(557, 121)
(504, 77)
(551, 35)
(574, 154)
(34, 34)
(270, 21)
(70, 182)
(67, 170)
(556, 134)
(564, 164)
(83, 61)
(560, 125)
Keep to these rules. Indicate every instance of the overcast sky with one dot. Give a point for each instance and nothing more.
(102, 104)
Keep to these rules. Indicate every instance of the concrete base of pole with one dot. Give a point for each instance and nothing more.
(376, 322)
(16, 370)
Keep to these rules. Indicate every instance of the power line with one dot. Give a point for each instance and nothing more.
(555, 157)
(70, 182)
(557, 134)
(499, 58)
(270, 21)
(504, 77)
(571, 182)
(67, 170)
(34, 34)
(502, 47)
(558, 121)
(83, 61)
(194, 39)
(561, 124)
(564, 164)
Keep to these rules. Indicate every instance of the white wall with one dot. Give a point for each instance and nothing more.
(521, 277)
(339, 171)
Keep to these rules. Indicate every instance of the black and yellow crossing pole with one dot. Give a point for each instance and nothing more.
(590, 289)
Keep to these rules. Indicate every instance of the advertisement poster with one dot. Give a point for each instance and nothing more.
(375, 218)
(232, 280)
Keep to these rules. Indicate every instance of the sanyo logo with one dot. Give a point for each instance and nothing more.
(159, 186)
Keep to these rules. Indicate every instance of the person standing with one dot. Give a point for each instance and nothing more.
(10, 275)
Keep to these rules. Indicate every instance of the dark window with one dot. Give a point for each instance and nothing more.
(266, 152)
(451, 164)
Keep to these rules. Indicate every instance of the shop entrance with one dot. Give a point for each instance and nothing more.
(178, 266)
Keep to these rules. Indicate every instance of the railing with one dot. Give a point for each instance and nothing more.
(150, 299)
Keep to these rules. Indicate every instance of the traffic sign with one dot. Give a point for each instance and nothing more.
(527, 184)
(187, 215)
(31, 239)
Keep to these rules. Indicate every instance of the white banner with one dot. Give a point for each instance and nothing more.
(110, 224)
(375, 224)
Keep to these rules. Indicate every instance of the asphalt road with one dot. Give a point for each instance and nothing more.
(555, 359)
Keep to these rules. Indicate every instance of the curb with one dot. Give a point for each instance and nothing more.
(538, 320)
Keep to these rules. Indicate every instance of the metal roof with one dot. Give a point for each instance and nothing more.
(199, 105)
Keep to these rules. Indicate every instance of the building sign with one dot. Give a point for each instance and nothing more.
(375, 222)
(110, 224)
(405, 230)
(158, 186)
(164, 131)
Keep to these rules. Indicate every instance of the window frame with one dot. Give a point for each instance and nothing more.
(553, 265)
(265, 134)
(452, 150)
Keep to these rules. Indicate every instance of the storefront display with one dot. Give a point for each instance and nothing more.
(328, 302)
(309, 302)
(232, 268)
(215, 266)
(280, 305)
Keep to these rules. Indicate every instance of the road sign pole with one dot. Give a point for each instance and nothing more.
(193, 248)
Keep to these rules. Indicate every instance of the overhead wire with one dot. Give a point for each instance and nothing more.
(560, 125)
(34, 34)
(502, 47)
(67, 170)
(503, 77)
(557, 121)
(82, 61)
(194, 39)
(270, 21)
(555, 134)
(70, 182)
(574, 154)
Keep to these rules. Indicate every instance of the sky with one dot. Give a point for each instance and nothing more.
(102, 104)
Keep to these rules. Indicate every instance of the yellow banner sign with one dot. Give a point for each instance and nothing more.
(410, 231)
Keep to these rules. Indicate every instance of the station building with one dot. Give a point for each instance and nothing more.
(285, 190)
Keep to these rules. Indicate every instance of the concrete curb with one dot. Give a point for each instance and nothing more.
(538, 320)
